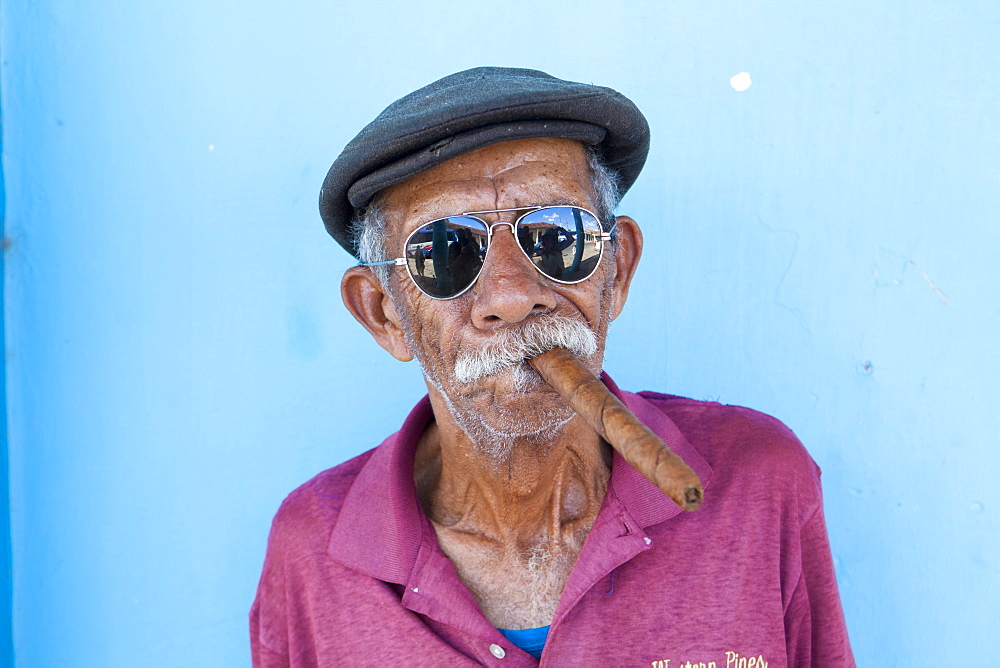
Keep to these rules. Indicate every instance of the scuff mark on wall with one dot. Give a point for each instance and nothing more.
(890, 266)
(931, 283)
(789, 241)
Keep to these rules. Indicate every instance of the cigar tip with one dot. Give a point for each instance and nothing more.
(692, 498)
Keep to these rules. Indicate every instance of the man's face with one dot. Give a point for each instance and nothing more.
(509, 293)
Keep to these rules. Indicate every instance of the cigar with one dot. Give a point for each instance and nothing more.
(606, 415)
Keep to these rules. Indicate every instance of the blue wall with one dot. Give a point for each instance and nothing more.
(6, 636)
(821, 246)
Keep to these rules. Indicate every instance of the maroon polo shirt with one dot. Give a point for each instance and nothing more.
(354, 575)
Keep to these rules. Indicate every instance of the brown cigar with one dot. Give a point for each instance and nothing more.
(606, 415)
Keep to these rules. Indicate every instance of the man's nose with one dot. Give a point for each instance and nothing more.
(509, 288)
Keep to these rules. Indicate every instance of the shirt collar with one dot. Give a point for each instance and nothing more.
(641, 498)
(381, 526)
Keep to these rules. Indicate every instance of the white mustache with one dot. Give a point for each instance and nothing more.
(511, 348)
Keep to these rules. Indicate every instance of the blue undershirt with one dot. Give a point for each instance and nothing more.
(530, 640)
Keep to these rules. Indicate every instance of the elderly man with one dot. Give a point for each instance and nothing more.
(496, 527)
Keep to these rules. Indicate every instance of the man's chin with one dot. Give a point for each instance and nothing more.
(514, 417)
(499, 409)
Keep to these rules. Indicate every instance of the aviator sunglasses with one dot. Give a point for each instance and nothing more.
(445, 256)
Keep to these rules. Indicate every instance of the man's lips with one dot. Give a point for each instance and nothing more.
(513, 381)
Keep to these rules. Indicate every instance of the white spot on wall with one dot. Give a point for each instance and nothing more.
(211, 147)
(740, 82)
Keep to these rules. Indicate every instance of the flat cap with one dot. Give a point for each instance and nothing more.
(467, 111)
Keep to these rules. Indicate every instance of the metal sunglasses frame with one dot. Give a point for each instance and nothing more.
(528, 210)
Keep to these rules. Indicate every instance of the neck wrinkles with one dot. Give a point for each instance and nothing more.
(546, 490)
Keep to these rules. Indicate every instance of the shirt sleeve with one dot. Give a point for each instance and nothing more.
(815, 632)
(268, 613)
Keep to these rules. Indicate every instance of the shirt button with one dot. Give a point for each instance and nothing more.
(497, 651)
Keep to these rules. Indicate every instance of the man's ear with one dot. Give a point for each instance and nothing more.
(627, 256)
(374, 308)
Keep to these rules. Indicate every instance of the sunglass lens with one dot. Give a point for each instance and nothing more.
(564, 242)
(444, 257)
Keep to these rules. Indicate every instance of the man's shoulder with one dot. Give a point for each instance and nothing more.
(712, 417)
(741, 442)
(311, 510)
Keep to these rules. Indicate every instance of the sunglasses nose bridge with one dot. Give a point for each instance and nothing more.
(512, 225)
(500, 223)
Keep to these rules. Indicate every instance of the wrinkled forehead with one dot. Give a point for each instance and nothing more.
(501, 176)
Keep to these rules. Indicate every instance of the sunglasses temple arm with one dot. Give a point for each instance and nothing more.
(399, 261)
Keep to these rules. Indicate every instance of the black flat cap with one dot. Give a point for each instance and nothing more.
(472, 109)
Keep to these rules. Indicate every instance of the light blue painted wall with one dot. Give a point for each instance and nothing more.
(821, 246)
(6, 628)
